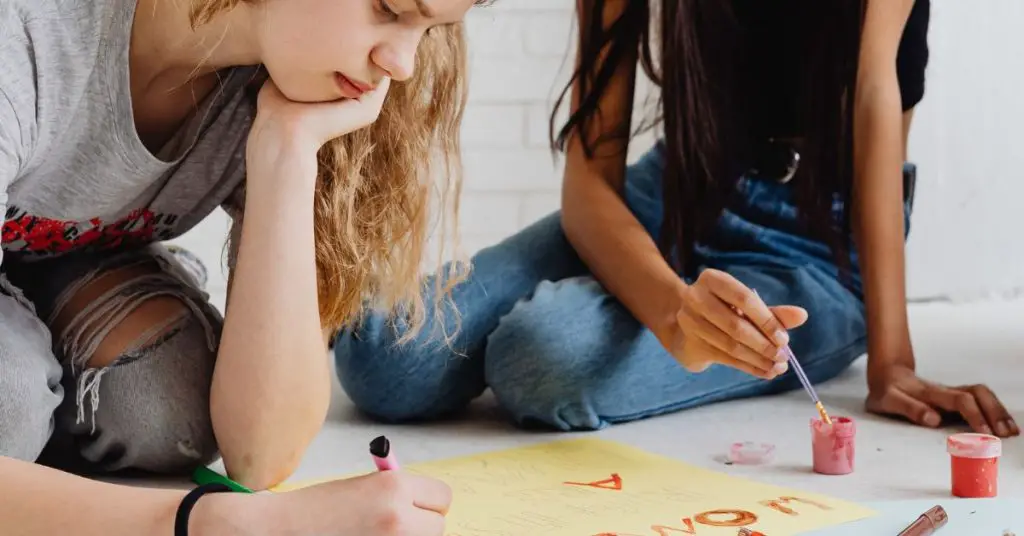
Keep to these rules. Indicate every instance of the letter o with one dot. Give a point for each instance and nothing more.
(739, 518)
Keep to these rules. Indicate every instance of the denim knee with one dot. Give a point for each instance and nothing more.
(394, 382)
(544, 361)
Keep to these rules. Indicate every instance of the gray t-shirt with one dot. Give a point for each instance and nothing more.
(73, 172)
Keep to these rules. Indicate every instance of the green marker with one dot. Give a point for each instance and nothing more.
(205, 475)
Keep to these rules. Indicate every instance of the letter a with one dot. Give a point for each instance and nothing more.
(615, 483)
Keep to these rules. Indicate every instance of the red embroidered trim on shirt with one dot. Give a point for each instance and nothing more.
(24, 232)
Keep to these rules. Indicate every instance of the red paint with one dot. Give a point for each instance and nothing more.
(778, 505)
(833, 445)
(974, 464)
(662, 530)
(739, 518)
(615, 483)
(736, 518)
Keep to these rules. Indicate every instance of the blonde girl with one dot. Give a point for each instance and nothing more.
(124, 123)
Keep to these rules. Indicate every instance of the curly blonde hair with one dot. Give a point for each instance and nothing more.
(376, 186)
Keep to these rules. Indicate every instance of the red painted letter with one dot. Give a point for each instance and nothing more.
(739, 518)
(777, 505)
(662, 530)
(615, 482)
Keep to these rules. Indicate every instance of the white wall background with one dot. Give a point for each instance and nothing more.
(964, 243)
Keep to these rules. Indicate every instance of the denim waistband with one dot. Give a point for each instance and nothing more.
(769, 203)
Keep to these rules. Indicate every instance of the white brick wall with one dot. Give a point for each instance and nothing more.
(521, 54)
(518, 66)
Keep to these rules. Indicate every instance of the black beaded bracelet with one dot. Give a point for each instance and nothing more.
(185, 508)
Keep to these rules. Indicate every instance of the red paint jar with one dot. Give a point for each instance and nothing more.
(832, 445)
(974, 464)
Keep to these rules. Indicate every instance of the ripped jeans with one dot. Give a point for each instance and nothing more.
(146, 409)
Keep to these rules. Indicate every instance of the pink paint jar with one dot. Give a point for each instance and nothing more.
(832, 445)
(974, 464)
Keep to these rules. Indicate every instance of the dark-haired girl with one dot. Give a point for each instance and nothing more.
(772, 211)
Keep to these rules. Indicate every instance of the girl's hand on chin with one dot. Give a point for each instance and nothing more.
(286, 126)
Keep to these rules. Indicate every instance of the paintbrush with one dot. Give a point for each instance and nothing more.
(804, 380)
(807, 385)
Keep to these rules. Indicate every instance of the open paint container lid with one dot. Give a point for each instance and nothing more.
(974, 446)
(751, 453)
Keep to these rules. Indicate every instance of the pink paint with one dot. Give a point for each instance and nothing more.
(750, 453)
(974, 464)
(832, 445)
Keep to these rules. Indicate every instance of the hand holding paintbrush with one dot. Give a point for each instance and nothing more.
(723, 321)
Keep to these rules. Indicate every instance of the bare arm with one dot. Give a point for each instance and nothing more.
(602, 229)
(879, 152)
(271, 385)
(40, 500)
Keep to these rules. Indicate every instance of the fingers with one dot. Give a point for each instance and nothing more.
(958, 401)
(789, 316)
(897, 402)
(995, 414)
(378, 94)
(705, 352)
(337, 118)
(430, 494)
(726, 345)
(733, 324)
(731, 291)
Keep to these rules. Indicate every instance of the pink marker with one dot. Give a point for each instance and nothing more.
(383, 457)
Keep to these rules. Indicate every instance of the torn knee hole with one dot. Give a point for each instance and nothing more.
(151, 322)
(119, 312)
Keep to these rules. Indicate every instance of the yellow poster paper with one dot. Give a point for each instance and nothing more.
(594, 487)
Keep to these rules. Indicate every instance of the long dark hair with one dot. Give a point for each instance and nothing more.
(704, 99)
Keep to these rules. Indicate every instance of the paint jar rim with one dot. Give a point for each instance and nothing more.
(842, 427)
(970, 445)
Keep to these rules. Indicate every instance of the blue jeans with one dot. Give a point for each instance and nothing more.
(559, 351)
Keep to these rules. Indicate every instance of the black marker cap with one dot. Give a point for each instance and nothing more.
(380, 447)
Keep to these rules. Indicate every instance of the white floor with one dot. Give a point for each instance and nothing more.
(973, 343)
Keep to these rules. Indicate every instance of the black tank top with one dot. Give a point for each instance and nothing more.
(773, 41)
